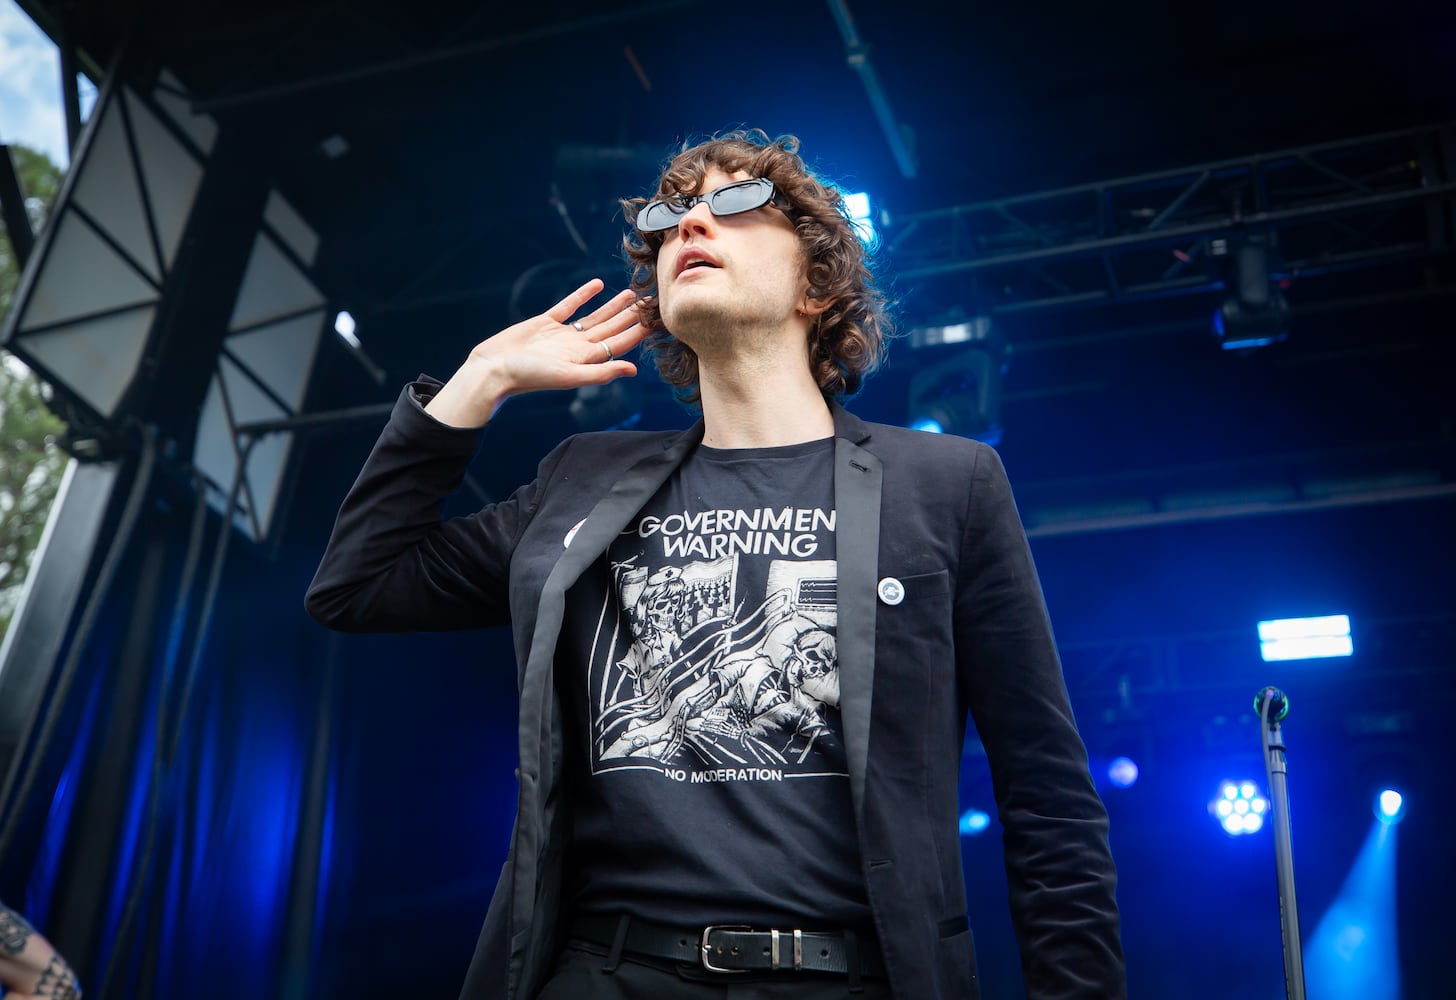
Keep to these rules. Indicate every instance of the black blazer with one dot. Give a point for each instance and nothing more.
(970, 633)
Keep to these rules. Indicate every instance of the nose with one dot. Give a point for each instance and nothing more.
(696, 221)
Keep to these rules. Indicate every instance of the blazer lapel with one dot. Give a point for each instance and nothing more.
(858, 477)
(607, 519)
(611, 514)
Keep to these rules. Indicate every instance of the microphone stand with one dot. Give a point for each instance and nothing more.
(1273, 706)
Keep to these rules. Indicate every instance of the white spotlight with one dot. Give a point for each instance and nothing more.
(344, 326)
(1239, 808)
(1305, 638)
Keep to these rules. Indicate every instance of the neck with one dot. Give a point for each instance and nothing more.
(761, 402)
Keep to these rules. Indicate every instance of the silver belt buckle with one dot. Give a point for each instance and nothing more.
(705, 952)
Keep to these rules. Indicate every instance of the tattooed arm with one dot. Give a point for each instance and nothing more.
(29, 966)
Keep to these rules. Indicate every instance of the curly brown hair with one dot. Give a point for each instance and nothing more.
(847, 342)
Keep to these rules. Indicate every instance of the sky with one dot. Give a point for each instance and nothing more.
(30, 86)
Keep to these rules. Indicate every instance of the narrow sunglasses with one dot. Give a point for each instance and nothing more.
(730, 199)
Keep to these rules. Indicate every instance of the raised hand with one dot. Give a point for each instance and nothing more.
(548, 351)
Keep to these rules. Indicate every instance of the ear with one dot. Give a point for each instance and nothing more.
(811, 306)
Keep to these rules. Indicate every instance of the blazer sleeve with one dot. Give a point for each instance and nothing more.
(392, 564)
(1059, 866)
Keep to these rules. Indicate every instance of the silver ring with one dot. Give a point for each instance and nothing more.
(576, 325)
(610, 355)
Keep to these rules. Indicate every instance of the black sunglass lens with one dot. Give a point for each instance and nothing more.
(730, 199)
(742, 197)
(659, 215)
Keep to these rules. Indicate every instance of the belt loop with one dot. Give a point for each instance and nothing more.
(619, 941)
(851, 961)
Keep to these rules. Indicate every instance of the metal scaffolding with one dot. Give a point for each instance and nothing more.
(1359, 202)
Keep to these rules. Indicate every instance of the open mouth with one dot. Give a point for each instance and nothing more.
(693, 259)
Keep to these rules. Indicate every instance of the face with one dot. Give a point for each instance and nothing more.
(727, 283)
(662, 609)
(813, 665)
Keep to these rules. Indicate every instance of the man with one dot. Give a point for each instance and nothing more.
(29, 966)
(700, 794)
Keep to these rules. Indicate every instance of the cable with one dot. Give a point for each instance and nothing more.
(175, 635)
(109, 566)
(168, 737)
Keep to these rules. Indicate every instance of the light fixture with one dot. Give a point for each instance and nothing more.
(961, 394)
(333, 146)
(861, 217)
(1123, 772)
(1239, 807)
(1390, 806)
(1305, 638)
(974, 821)
(1256, 314)
(345, 326)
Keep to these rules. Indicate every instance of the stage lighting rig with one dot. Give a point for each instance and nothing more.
(1389, 806)
(960, 394)
(862, 217)
(973, 822)
(1239, 807)
(1123, 772)
(1256, 313)
(1305, 638)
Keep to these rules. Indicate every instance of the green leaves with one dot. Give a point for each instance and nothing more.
(30, 462)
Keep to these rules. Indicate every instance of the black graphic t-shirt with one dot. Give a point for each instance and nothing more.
(699, 673)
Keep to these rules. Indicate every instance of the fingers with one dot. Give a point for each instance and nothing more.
(548, 351)
(609, 349)
(618, 309)
(614, 325)
(606, 321)
(597, 367)
(622, 341)
(563, 310)
(608, 372)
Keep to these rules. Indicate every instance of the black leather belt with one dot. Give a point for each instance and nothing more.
(733, 948)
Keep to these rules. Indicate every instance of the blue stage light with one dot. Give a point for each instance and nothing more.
(1123, 772)
(1239, 807)
(1390, 806)
(1256, 313)
(861, 217)
(960, 393)
(928, 424)
(973, 821)
(1305, 638)
(1354, 953)
(857, 205)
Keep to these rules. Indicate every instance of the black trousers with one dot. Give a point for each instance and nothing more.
(579, 974)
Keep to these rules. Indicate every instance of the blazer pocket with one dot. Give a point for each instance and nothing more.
(921, 618)
(923, 586)
(914, 668)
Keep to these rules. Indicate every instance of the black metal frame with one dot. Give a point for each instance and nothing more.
(1149, 235)
(113, 90)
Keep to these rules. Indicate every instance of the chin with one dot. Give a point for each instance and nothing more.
(699, 321)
